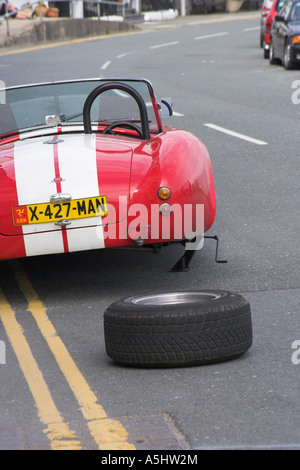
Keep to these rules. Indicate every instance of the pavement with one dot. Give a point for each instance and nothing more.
(19, 33)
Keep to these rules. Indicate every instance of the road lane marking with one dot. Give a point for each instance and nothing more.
(105, 65)
(109, 434)
(166, 44)
(125, 54)
(209, 36)
(57, 431)
(256, 28)
(236, 134)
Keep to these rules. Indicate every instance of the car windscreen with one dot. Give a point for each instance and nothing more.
(295, 12)
(62, 103)
(279, 4)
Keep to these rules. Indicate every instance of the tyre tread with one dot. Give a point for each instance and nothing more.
(178, 336)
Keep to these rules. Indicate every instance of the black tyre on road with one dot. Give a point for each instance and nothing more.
(272, 59)
(173, 329)
(287, 61)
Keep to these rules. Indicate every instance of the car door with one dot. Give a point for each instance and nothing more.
(281, 29)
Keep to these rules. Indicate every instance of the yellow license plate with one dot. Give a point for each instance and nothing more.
(67, 210)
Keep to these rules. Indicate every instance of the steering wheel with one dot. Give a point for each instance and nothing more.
(144, 133)
(130, 125)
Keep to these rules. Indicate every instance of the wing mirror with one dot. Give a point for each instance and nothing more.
(167, 107)
(279, 18)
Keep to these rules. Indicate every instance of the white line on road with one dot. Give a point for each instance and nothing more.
(120, 56)
(236, 134)
(251, 29)
(166, 44)
(105, 65)
(208, 36)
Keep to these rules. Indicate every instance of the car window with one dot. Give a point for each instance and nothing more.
(288, 11)
(295, 12)
(48, 104)
(282, 10)
(279, 5)
(267, 4)
(285, 10)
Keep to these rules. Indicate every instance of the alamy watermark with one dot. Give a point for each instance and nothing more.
(296, 93)
(2, 352)
(296, 353)
(155, 222)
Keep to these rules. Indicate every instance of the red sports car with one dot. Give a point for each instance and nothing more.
(87, 164)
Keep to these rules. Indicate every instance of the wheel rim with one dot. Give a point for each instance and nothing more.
(171, 298)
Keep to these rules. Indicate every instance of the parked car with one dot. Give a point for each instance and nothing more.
(88, 164)
(276, 6)
(266, 7)
(285, 36)
(208, 6)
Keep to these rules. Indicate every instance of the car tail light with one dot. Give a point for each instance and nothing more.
(267, 38)
(265, 12)
(296, 40)
(269, 22)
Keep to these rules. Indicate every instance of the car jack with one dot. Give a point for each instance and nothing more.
(183, 264)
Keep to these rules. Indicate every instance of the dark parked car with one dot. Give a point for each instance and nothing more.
(285, 36)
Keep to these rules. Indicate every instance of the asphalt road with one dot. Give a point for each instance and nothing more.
(216, 75)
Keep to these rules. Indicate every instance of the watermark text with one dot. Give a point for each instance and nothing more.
(296, 353)
(296, 93)
(154, 222)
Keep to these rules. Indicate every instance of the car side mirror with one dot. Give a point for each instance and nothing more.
(279, 18)
(167, 107)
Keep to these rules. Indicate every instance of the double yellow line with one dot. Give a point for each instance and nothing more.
(108, 433)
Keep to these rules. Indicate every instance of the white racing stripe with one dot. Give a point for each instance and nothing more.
(78, 167)
(34, 172)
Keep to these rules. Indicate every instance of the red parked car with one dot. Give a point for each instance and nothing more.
(276, 6)
(265, 10)
(87, 164)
